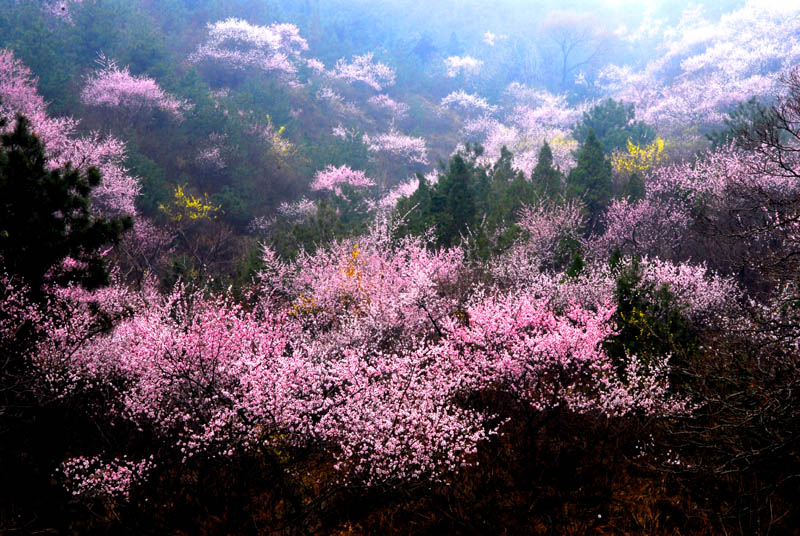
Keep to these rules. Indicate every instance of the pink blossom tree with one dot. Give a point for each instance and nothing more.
(394, 143)
(653, 226)
(116, 88)
(362, 69)
(397, 110)
(466, 65)
(332, 178)
(239, 45)
(467, 103)
(318, 362)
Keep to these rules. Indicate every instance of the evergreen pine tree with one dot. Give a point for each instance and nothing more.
(614, 123)
(510, 191)
(590, 180)
(455, 207)
(547, 179)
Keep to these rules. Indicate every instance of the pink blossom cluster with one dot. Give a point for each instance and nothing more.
(95, 478)
(527, 267)
(398, 110)
(529, 262)
(301, 209)
(554, 113)
(525, 144)
(376, 75)
(344, 133)
(146, 246)
(539, 107)
(319, 361)
(212, 157)
(745, 189)
(537, 116)
(747, 198)
(522, 94)
(467, 103)
(316, 66)
(328, 94)
(332, 178)
(547, 359)
(399, 145)
(456, 65)
(261, 225)
(337, 101)
(240, 45)
(547, 223)
(724, 172)
(700, 291)
(211, 378)
(74, 316)
(405, 189)
(17, 312)
(479, 127)
(774, 327)
(116, 88)
(654, 226)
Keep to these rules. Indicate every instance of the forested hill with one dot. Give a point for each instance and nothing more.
(246, 102)
(341, 266)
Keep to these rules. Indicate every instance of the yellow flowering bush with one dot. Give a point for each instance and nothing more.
(639, 159)
(188, 207)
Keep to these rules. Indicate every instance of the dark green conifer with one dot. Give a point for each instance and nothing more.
(455, 210)
(591, 178)
(546, 178)
(45, 215)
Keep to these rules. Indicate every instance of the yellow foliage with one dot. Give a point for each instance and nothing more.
(639, 159)
(188, 207)
(351, 297)
(279, 143)
(564, 142)
(352, 270)
(352, 264)
(304, 306)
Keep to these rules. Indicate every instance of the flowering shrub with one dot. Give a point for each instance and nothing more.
(241, 45)
(468, 65)
(188, 207)
(362, 69)
(94, 478)
(331, 178)
(408, 148)
(639, 159)
(116, 88)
